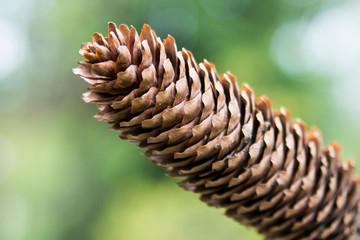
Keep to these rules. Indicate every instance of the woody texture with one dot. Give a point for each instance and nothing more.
(264, 169)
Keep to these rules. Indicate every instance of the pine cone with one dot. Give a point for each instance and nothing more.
(266, 171)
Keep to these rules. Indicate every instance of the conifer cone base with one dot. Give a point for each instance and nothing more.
(235, 151)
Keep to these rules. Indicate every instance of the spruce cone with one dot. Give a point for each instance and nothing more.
(266, 171)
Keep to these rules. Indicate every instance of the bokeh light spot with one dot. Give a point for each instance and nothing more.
(12, 48)
(286, 48)
(332, 39)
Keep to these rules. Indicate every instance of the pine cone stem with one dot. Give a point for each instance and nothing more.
(266, 171)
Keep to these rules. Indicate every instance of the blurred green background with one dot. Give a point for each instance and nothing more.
(63, 175)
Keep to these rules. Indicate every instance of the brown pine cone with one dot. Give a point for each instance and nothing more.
(266, 171)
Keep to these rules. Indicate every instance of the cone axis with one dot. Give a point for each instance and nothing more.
(235, 151)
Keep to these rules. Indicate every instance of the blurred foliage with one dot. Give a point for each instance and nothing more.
(67, 176)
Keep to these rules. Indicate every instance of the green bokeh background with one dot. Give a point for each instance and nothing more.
(67, 176)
